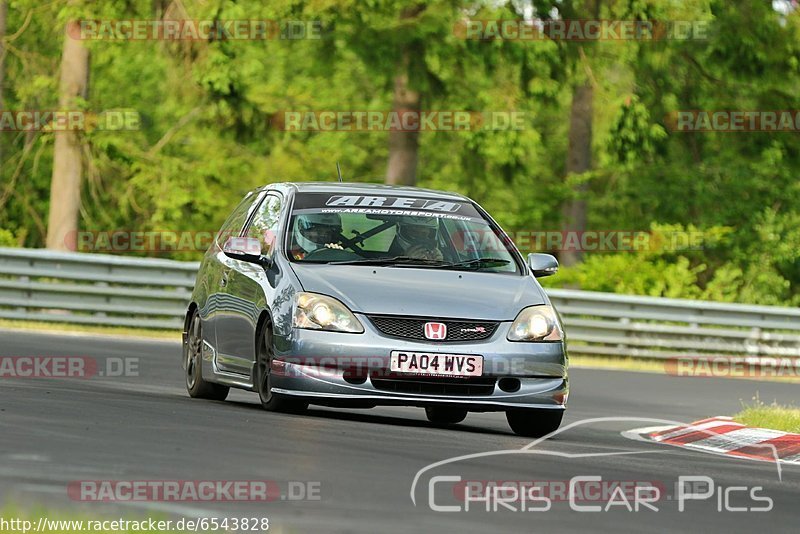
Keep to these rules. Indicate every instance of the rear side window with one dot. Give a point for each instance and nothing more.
(236, 220)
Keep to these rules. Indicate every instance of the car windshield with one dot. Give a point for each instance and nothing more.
(397, 231)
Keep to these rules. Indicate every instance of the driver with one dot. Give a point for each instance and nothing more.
(314, 231)
(417, 237)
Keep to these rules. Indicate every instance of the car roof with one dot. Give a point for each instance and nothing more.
(365, 189)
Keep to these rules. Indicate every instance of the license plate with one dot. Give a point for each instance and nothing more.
(424, 363)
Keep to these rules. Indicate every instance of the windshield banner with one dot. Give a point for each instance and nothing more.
(385, 205)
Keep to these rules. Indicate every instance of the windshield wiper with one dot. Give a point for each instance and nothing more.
(391, 260)
(475, 264)
(479, 263)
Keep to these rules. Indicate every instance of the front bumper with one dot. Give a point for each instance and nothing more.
(352, 370)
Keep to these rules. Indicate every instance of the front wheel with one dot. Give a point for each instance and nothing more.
(445, 415)
(262, 375)
(196, 385)
(534, 423)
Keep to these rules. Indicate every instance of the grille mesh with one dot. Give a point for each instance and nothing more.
(472, 386)
(414, 327)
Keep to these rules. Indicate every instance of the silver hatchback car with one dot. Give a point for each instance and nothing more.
(358, 295)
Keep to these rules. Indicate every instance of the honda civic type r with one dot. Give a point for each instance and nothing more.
(358, 295)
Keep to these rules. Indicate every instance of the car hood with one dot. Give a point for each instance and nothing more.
(422, 292)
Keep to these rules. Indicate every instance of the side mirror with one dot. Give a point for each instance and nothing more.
(245, 249)
(542, 264)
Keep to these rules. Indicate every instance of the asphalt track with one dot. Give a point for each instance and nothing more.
(145, 427)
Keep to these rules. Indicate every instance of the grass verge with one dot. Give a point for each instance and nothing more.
(618, 363)
(66, 328)
(773, 416)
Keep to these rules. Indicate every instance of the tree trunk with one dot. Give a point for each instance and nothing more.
(579, 160)
(65, 187)
(159, 7)
(3, 15)
(403, 145)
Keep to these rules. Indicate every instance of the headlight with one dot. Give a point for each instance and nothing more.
(319, 312)
(536, 323)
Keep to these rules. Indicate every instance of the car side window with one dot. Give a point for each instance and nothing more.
(235, 221)
(232, 227)
(264, 225)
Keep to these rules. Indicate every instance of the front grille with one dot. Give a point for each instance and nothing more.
(435, 385)
(414, 327)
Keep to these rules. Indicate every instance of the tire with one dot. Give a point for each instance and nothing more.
(270, 401)
(445, 415)
(534, 423)
(196, 385)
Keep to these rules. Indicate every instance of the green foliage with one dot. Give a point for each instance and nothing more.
(208, 132)
(657, 266)
(774, 416)
(7, 239)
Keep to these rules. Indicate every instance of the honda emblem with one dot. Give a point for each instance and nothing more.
(435, 330)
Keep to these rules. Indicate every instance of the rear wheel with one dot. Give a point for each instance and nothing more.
(445, 415)
(198, 387)
(262, 378)
(534, 423)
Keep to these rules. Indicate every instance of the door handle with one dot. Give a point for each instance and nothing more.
(223, 281)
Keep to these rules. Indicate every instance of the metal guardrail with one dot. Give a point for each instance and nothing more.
(43, 285)
(607, 324)
(99, 289)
